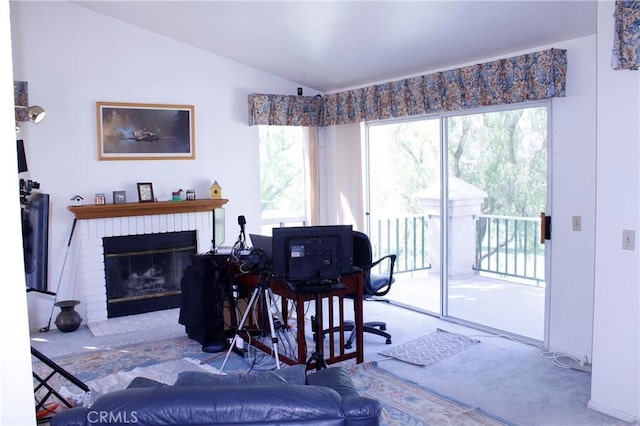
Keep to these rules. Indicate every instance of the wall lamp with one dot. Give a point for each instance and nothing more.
(35, 113)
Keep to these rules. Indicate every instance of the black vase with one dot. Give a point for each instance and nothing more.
(68, 319)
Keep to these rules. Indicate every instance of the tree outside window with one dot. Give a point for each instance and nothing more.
(283, 171)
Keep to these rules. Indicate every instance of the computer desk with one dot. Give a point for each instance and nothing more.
(352, 290)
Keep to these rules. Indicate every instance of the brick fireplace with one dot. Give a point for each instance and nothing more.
(96, 222)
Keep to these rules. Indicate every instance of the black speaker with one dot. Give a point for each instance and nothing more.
(204, 285)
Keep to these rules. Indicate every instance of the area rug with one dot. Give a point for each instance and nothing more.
(165, 372)
(99, 362)
(434, 347)
(99, 366)
(407, 403)
(403, 402)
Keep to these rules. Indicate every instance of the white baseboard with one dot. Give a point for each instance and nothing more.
(612, 412)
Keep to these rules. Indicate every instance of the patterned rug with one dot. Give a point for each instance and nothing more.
(94, 364)
(164, 372)
(404, 402)
(407, 403)
(431, 348)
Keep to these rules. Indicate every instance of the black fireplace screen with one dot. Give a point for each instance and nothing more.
(143, 272)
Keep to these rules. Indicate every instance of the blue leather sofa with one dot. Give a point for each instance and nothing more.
(279, 397)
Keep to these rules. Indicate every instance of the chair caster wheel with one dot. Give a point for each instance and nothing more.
(388, 341)
(347, 346)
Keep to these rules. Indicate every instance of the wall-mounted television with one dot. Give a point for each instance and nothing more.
(35, 240)
(312, 254)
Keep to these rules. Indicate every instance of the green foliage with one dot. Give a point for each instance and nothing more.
(281, 170)
(502, 153)
(405, 158)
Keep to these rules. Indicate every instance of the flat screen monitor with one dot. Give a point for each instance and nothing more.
(312, 254)
(35, 240)
(22, 158)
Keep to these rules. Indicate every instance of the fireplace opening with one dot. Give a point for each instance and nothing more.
(143, 272)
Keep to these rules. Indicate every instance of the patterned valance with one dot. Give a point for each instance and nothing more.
(527, 77)
(626, 38)
(284, 110)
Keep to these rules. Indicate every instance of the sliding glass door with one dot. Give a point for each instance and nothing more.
(497, 187)
(485, 263)
(403, 206)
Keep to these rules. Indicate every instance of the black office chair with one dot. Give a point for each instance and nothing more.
(375, 284)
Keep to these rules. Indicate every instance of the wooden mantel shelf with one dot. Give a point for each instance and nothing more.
(101, 211)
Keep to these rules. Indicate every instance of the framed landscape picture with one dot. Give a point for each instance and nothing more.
(128, 131)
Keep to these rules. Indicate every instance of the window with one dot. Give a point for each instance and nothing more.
(284, 176)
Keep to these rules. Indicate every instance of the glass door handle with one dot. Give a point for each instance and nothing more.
(545, 227)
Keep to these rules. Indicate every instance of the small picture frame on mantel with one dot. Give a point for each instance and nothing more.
(145, 192)
(119, 197)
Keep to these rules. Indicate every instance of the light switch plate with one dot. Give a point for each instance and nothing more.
(576, 223)
(628, 239)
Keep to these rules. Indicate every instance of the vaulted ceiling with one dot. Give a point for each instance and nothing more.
(335, 45)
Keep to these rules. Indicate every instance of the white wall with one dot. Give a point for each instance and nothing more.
(73, 58)
(615, 381)
(16, 386)
(572, 187)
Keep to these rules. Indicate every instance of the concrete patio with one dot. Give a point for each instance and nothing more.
(502, 304)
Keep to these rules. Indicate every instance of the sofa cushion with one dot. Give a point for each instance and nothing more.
(224, 405)
(359, 410)
(293, 375)
(336, 378)
(143, 382)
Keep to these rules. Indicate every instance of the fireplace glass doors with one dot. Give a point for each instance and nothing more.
(143, 272)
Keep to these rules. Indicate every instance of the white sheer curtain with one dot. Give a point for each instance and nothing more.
(340, 180)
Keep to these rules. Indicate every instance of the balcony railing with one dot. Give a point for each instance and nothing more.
(406, 237)
(504, 245)
(510, 246)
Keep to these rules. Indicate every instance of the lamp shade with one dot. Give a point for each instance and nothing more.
(36, 114)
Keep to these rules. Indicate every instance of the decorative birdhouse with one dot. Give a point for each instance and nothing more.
(215, 190)
(77, 200)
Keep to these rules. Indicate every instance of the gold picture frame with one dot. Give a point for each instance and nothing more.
(131, 131)
(145, 192)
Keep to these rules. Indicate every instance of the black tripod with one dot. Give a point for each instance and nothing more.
(262, 289)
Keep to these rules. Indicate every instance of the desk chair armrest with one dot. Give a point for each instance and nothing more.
(391, 258)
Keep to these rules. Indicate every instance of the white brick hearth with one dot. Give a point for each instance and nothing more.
(91, 255)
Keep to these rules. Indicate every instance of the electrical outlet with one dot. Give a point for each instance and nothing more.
(628, 239)
(576, 223)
